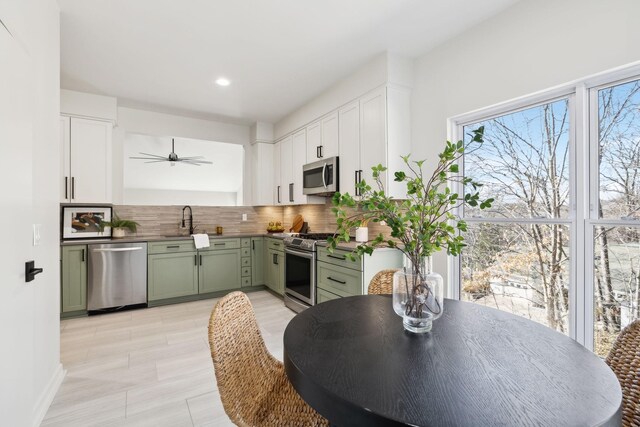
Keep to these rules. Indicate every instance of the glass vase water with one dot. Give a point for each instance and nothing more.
(418, 295)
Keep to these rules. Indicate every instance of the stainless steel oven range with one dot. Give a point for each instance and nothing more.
(300, 270)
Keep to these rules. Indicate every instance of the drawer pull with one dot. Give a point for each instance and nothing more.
(173, 247)
(275, 244)
(219, 244)
(336, 280)
(341, 258)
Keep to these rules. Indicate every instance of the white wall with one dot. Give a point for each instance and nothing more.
(534, 45)
(132, 120)
(36, 24)
(368, 77)
(216, 184)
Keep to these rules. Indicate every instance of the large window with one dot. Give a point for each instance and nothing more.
(561, 244)
(616, 223)
(518, 254)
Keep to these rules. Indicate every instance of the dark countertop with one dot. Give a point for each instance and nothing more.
(133, 239)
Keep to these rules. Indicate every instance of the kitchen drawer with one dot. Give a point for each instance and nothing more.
(325, 296)
(246, 271)
(341, 281)
(217, 244)
(246, 261)
(173, 246)
(246, 281)
(338, 257)
(275, 244)
(245, 242)
(245, 251)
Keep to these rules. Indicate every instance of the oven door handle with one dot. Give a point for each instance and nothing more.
(308, 255)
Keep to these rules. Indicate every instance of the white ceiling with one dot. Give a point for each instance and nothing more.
(165, 54)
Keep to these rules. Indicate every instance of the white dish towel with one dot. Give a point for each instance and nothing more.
(201, 240)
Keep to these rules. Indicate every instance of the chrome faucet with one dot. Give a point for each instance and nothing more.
(190, 219)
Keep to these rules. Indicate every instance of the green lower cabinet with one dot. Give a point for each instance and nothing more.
(339, 280)
(275, 271)
(172, 275)
(219, 270)
(74, 278)
(257, 261)
(323, 296)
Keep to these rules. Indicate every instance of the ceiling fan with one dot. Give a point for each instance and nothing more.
(173, 158)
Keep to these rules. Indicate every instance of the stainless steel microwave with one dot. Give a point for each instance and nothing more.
(321, 178)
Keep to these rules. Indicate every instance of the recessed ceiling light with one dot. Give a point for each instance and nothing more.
(223, 82)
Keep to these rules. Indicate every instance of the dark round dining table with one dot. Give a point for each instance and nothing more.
(351, 360)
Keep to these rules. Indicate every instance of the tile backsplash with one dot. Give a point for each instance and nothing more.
(165, 220)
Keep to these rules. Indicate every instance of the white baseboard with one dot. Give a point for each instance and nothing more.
(47, 395)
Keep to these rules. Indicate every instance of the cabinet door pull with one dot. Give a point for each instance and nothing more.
(321, 151)
(278, 194)
(291, 192)
(336, 280)
(318, 152)
(356, 180)
(83, 255)
(173, 246)
(341, 258)
(200, 259)
(253, 245)
(219, 244)
(73, 187)
(66, 187)
(275, 259)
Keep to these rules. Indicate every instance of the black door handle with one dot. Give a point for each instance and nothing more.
(253, 244)
(278, 194)
(318, 151)
(30, 271)
(73, 187)
(66, 187)
(291, 192)
(322, 151)
(336, 280)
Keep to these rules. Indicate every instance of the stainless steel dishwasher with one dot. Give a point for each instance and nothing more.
(117, 275)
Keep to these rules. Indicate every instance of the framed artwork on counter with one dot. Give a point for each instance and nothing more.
(84, 222)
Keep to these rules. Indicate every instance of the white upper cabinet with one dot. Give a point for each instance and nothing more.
(322, 138)
(329, 147)
(373, 138)
(314, 141)
(277, 190)
(262, 174)
(349, 136)
(299, 159)
(374, 129)
(286, 170)
(86, 160)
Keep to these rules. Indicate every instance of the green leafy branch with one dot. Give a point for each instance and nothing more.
(423, 223)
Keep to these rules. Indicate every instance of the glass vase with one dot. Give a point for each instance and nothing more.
(418, 295)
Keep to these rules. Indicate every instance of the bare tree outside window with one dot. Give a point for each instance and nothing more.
(617, 249)
(518, 255)
(518, 265)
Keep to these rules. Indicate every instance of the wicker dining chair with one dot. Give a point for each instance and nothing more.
(254, 388)
(624, 361)
(382, 282)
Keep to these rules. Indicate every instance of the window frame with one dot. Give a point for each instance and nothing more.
(584, 186)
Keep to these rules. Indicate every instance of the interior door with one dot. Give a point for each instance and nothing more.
(16, 133)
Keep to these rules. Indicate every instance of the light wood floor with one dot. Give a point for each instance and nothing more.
(149, 367)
